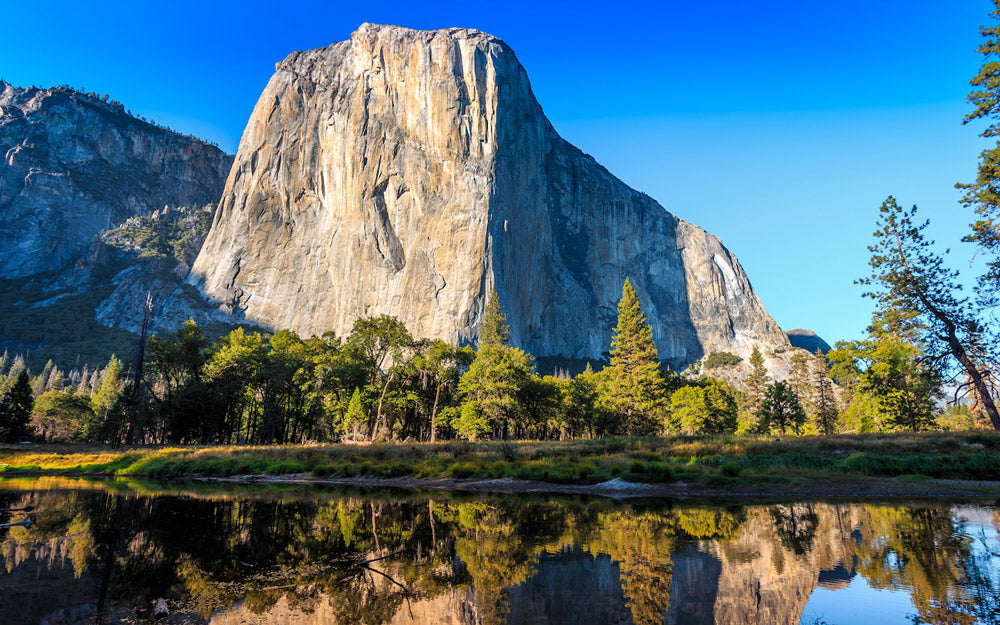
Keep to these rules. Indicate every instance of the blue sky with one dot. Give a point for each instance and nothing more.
(780, 126)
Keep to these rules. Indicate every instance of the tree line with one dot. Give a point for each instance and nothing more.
(379, 383)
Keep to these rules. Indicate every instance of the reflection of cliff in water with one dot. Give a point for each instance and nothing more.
(335, 558)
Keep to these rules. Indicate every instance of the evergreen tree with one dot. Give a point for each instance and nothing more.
(109, 390)
(825, 406)
(494, 383)
(494, 329)
(781, 408)
(755, 385)
(983, 195)
(354, 418)
(633, 385)
(15, 409)
(917, 296)
(801, 380)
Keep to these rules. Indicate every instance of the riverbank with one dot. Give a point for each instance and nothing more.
(933, 464)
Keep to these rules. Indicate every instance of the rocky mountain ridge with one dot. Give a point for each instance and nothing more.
(74, 166)
(410, 172)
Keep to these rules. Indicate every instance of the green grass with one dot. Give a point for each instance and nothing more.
(715, 462)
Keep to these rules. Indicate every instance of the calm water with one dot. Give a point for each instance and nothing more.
(108, 551)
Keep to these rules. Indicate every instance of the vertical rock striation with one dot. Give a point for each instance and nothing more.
(409, 172)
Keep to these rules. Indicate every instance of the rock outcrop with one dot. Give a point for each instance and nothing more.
(410, 172)
(807, 340)
(74, 165)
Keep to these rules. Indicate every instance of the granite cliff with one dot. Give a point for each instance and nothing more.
(410, 172)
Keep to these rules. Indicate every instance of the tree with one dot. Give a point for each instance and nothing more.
(781, 409)
(825, 406)
(709, 408)
(494, 329)
(755, 386)
(354, 418)
(917, 296)
(633, 386)
(59, 416)
(443, 364)
(15, 409)
(494, 384)
(983, 195)
(382, 339)
(801, 379)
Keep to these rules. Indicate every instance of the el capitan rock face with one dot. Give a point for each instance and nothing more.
(409, 172)
(75, 165)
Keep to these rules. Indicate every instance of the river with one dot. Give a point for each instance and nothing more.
(112, 551)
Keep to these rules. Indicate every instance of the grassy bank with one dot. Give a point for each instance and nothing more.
(709, 461)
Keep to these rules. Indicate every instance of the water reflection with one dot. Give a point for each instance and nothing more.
(107, 552)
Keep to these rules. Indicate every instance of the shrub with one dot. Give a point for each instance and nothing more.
(717, 360)
(730, 469)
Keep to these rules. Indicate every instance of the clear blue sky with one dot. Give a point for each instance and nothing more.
(778, 125)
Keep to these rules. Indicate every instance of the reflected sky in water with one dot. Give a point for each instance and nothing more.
(109, 551)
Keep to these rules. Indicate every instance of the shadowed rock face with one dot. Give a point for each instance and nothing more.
(74, 165)
(409, 172)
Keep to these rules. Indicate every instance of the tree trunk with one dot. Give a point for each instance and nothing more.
(437, 397)
(378, 411)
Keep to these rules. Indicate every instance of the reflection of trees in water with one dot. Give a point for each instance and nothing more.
(371, 558)
(919, 549)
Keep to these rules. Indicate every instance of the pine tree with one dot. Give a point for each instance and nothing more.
(801, 380)
(15, 410)
(354, 419)
(109, 390)
(82, 388)
(983, 195)
(633, 384)
(55, 379)
(918, 296)
(825, 405)
(494, 329)
(755, 385)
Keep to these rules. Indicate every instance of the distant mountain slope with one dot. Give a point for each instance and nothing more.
(807, 340)
(73, 167)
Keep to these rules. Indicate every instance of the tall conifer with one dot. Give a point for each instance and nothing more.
(494, 329)
(634, 386)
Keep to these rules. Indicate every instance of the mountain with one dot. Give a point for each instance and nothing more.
(76, 166)
(409, 172)
(807, 340)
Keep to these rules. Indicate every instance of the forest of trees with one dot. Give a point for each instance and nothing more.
(379, 383)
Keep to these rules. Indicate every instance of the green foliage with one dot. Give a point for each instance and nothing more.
(472, 423)
(825, 404)
(717, 360)
(494, 383)
(708, 408)
(781, 409)
(110, 388)
(632, 385)
(494, 329)
(754, 386)
(59, 416)
(890, 387)
(918, 302)
(983, 195)
(15, 410)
